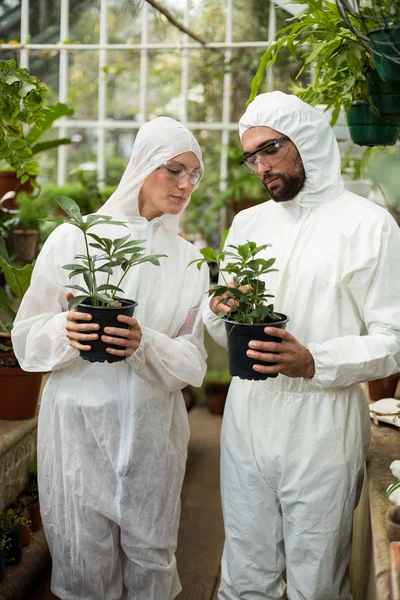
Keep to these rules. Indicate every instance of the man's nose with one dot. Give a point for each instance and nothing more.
(261, 169)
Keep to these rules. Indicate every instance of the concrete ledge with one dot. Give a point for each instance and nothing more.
(17, 450)
(19, 579)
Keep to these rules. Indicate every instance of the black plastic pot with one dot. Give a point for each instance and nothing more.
(13, 553)
(367, 129)
(384, 96)
(239, 336)
(1, 564)
(386, 42)
(105, 316)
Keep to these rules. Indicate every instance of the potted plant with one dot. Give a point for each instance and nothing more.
(216, 384)
(10, 528)
(253, 310)
(384, 96)
(338, 59)
(29, 499)
(25, 119)
(385, 46)
(4, 541)
(101, 300)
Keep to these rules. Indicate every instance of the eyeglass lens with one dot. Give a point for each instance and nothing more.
(268, 156)
(177, 171)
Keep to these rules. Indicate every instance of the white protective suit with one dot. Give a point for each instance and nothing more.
(112, 438)
(293, 449)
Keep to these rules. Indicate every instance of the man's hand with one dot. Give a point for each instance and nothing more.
(128, 339)
(291, 358)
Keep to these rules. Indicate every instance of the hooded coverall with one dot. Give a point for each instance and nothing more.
(112, 439)
(293, 449)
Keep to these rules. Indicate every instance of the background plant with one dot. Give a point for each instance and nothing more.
(329, 48)
(245, 269)
(123, 252)
(22, 102)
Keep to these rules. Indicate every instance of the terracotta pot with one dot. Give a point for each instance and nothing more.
(25, 244)
(34, 516)
(383, 388)
(392, 523)
(216, 397)
(25, 536)
(9, 182)
(19, 393)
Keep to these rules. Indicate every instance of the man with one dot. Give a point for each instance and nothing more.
(293, 447)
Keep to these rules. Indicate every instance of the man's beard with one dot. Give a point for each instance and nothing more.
(290, 185)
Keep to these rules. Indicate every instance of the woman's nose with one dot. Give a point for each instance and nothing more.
(184, 183)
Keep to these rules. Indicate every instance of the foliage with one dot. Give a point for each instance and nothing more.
(249, 291)
(18, 280)
(124, 253)
(215, 377)
(12, 518)
(384, 171)
(329, 48)
(30, 210)
(22, 102)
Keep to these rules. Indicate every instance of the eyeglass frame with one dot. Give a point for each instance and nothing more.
(185, 172)
(244, 160)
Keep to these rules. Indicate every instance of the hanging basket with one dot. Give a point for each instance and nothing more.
(367, 129)
(384, 96)
(386, 43)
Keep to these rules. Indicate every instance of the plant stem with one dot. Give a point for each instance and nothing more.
(91, 268)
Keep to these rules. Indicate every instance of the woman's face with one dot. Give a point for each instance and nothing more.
(161, 193)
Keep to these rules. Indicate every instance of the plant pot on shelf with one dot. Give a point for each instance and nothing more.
(386, 43)
(13, 550)
(367, 129)
(25, 244)
(239, 336)
(25, 536)
(9, 182)
(383, 388)
(19, 389)
(1, 564)
(384, 96)
(392, 523)
(105, 316)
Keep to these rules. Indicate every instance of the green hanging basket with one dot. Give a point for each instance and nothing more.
(367, 129)
(386, 42)
(383, 95)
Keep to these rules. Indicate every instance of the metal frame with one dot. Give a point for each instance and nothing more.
(102, 124)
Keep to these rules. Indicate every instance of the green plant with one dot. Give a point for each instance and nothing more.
(22, 103)
(123, 252)
(215, 377)
(17, 282)
(328, 47)
(12, 518)
(249, 291)
(31, 210)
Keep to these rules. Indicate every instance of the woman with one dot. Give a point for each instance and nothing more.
(112, 439)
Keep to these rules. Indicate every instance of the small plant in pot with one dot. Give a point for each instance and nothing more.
(115, 256)
(10, 528)
(252, 311)
(4, 542)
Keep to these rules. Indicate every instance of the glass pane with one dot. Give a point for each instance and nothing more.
(84, 21)
(81, 155)
(83, 87)
(164, 84)
(250, 20)
(124, 22)
(44, 64)
(123, 82)
(119, 143)
(44, 22)
(206, 79)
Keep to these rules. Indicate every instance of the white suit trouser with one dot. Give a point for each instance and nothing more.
(289, 493)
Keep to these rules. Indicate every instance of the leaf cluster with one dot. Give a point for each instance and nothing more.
(12, 518)
(22, 103)
(123, 253)
(252, 300)
(17, 280)
(329, 48)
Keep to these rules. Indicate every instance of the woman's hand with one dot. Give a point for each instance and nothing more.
(79, 334)
(128, 339)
